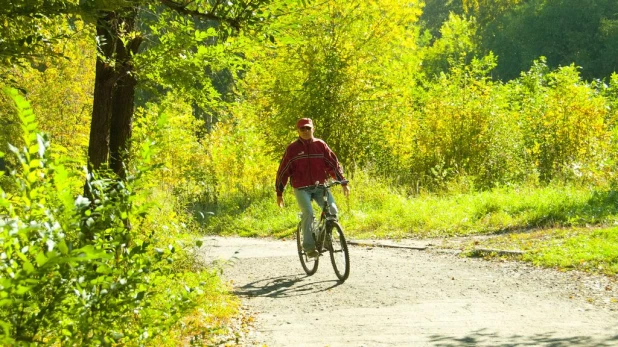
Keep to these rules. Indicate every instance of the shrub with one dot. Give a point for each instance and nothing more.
(74, 270)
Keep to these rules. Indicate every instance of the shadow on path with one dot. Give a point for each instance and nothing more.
(484, 338)
(284, 286)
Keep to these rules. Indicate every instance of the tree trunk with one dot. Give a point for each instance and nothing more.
(105, 78)
(123, 102)
(114, 92)
(121, 124)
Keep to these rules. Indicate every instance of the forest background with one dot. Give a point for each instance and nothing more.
(450, 118)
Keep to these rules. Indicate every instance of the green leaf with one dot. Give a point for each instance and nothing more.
(5, 282)
(117, 335)
(31, 127)
(41, 259)
(33, 149)
(62, 246)
(163, 120)
(12, 92)
(29, 116)
(104, 269)
(28, 267)
(21, 290)
(89, 253)
(199, 243)
(32, 176)
(35, 163)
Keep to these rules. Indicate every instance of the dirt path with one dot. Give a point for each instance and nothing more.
(405, 297)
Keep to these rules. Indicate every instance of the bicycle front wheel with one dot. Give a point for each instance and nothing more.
(338, 249)
(310, 265)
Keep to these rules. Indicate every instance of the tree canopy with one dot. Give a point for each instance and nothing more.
(519, 32)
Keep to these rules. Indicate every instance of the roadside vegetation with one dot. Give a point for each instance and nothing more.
(115, 267)
(591, 249)
(560, 226)
(131, 129)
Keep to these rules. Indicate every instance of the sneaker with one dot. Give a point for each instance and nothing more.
(312, 253)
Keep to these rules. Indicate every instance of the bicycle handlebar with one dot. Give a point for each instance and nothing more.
(332, 183)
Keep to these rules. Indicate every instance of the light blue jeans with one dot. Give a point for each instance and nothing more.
(304, 197)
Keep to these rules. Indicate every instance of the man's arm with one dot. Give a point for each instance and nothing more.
(332, 164)
(282, 177)
(335, 169)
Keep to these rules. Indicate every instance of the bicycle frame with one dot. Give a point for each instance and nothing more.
(319, 231)
(328, 236)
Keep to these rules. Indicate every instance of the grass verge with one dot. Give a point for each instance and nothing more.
(561, 216)
(590, 249)
(214, 318)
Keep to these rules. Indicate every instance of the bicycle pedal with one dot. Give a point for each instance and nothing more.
(312, 254)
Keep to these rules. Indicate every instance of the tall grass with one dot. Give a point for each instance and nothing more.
(562, 226)
(376, 210)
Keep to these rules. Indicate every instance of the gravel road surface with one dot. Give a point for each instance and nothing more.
(408, 297)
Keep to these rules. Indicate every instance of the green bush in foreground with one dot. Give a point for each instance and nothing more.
(73, 270)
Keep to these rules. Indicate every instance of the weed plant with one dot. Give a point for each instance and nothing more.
(102, 269)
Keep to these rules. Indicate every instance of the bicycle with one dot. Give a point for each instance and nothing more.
(328, 236)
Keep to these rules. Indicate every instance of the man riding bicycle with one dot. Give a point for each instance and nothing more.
(306, 161)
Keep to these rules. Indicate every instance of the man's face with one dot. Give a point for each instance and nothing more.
(305, 132)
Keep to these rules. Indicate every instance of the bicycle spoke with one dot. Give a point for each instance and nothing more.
(339, 252)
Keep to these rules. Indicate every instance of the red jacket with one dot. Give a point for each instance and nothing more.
(307, 162)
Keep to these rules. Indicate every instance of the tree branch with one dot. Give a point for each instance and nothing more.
(204, 15)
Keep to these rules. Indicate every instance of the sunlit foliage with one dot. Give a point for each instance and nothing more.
(347, 65)
(412, 96)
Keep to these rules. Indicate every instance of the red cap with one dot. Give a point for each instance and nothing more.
(304, 122)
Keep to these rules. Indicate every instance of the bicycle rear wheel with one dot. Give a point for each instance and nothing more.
(310, 265)
(338, 249)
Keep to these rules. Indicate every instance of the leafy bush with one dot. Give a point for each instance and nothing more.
(565, 124)
(75, 270)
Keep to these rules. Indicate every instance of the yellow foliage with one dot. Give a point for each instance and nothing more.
(568, 125)
(173, 128)
(237, 156)
(487, 10)
(60, 91)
